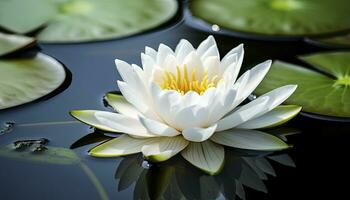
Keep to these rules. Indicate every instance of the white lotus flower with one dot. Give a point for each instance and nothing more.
(188, 101)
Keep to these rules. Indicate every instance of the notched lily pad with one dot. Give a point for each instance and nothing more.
(11, 43)
(275, 17)
(28, 78)
(323, 89)
(85, 20)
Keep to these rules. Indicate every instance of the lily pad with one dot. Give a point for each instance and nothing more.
(26, 79)
(275, 17)
(323, 89)
(89, 20)
(21, 17)
(12, 43)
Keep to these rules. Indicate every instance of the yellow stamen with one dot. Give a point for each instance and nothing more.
(183, 83)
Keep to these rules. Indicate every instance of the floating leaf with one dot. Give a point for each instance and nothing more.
(26, 79)
(324, 93)
(276, 17)
(21, 17)
(53, 155)
(84, 20)
(11, 43)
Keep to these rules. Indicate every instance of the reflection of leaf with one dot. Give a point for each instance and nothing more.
(325, 93)
(53, 155)
(12, 43)
(275, 17)
(158, 179)
(251, 179)
(128, 172)
(26, 79)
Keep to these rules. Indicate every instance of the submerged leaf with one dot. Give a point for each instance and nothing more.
(53, 155)
(324, 93)
(26, 79)
(275, 17)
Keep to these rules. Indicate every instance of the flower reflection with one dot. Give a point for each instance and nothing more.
(176, 179)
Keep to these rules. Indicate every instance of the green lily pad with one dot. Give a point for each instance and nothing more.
(11, 43)
(21, 17)
(88, 20)
(26, 79)
(323, 89)
(275, 17)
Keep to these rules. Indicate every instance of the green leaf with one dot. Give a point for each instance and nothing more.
(319, 93)
(164, 148)
(53, 155)
(26, 79)
(206, 155)
(249, 139)
(275, 17)
(275, 117)
(21, 17)
(120, 146)
(11, 43)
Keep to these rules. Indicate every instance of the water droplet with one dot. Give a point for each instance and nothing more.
(215, 27)
(7, 127)
(39, 148)
(146, 165)
(37, 145)
(251, 97)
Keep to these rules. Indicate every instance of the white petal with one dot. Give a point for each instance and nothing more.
(148, 64)
(212, 51)
(121, 105)
(182, 50)
(131, 96)
(111, 122)
(192, 61)
(163, 52)
(239, 50)
(158, 128)
(193, 116)
(128, 125)
(212, 65)
(249, 139)
(207, 156)
(205, 45)
(256, 75)
(120, 146)
(195, 134)
(222, 104)
(164, 148)
(243, 114)
(275, 117)
(129, 75)
(151, 52)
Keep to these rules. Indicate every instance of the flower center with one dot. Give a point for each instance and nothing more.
(343, 81)
(184, 81)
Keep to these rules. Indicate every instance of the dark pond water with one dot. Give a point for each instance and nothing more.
(320, 152)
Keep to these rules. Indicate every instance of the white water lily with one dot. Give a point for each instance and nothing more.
(189, 101)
